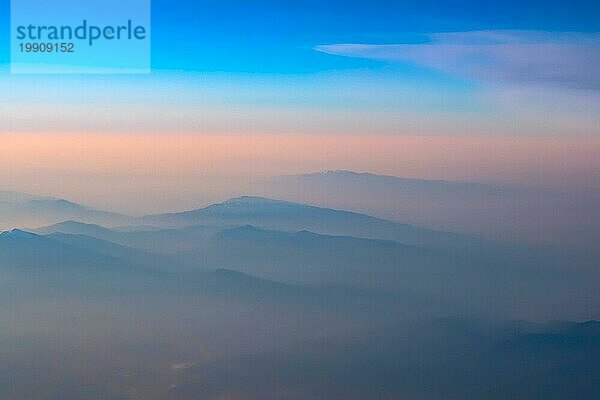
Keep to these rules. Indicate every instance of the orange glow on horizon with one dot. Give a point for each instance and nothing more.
(69, 164)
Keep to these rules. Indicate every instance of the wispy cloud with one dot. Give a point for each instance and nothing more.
(566, 59)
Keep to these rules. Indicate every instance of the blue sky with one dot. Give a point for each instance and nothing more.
(382, 64)
(278, 37)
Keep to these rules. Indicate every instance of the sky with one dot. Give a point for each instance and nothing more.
(330, 71)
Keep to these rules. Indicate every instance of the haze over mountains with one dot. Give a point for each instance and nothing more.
(256, 298)
(517, 212)
(509, 213)
(22, 210)
(312, 246)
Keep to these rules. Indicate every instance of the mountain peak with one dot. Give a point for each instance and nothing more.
(57, 203)
(72, 223)
(18, 234)
(251, 200)
(341, 172)
(74, 227)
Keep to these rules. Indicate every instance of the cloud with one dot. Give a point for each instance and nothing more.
(567, 59)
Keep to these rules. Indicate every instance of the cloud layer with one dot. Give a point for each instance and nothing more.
(567, 59)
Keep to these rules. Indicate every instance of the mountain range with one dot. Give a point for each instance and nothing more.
(495, 210)
(256, 298)
(22, 210)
